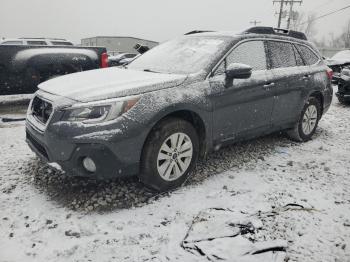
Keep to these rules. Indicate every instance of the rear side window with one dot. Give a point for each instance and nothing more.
(12, 43)
(309, 57)
(36, 43)
(251, 53)
(61, 43)
(281, 54)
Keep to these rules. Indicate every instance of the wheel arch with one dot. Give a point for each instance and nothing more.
(319, 96)
(193, 117)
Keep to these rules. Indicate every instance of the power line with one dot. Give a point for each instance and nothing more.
(322, 5)
(336, 11)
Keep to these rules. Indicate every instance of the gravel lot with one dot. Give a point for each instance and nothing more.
(46, 215)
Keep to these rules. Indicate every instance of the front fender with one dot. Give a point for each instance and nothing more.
(154, 106)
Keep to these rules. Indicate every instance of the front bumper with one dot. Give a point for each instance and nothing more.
(343, 96)
(115, 156)
(343, 92)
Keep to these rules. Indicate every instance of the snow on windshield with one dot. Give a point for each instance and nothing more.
(180, 56)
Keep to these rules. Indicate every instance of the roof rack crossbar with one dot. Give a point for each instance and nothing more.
(275, 31)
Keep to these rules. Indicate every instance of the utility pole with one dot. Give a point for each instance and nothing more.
(280, 13)
(282, 2)
(290, 16)
(255, 22)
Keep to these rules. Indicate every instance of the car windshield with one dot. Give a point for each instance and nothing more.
(184, 55)
(342, 55)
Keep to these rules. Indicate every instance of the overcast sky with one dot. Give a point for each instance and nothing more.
(156, 20)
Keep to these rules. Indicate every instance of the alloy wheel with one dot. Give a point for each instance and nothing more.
(309, 119)
(174, 156)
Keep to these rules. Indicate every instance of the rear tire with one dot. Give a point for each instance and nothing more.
(169, 154)
(308, 121)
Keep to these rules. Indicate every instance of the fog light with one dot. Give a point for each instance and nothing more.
(89, 164)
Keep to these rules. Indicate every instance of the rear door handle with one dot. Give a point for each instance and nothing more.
(268, 86)
(306, 77)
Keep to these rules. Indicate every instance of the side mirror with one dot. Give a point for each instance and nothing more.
(238, 71)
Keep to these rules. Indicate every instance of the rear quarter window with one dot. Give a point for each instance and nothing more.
(281, 54)
(309, 57)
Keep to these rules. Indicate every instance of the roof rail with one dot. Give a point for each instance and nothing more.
(275, 31)
(198, 32)
(43, 38)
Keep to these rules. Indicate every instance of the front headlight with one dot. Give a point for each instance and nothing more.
(95, 112)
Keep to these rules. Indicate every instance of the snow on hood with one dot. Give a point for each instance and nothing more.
(331, 62)
(109, 83)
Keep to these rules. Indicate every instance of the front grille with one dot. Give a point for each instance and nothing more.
(41, 109)
(37, 145)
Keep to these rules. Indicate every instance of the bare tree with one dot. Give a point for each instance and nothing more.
(346, 35)
(343, 39)
(305, 23)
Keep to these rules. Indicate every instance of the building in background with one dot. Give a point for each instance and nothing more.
(117, 44)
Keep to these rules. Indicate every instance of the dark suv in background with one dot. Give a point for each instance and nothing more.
(179, 101)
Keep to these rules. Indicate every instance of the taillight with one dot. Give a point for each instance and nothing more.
(329, 73)
(104, 60)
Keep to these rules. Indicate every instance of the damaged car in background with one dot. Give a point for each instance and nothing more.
(343, 81)
(26, 62)
(126, 58)
(179, 101)
(120, 59)
(339, 61)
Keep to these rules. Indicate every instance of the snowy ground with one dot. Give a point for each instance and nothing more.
(46, 216)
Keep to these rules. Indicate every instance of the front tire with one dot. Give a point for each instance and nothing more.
(169, 154)
(342, 100)
(308, 121)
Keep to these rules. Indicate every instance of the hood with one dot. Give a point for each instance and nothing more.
(333, 62)
(109, 83)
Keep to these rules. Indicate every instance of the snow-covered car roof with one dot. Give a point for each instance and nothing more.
(240, 34)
